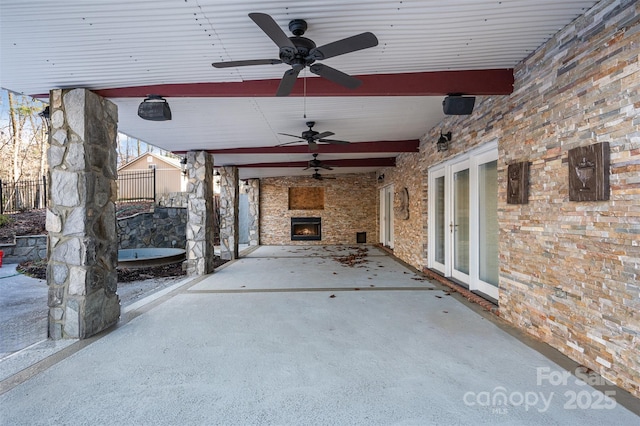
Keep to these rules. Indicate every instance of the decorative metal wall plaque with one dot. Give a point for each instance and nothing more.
(518, 183)
(589, 172)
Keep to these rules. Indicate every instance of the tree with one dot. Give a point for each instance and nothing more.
(23, 147)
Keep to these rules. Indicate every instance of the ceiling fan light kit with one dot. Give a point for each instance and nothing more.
(300, 52)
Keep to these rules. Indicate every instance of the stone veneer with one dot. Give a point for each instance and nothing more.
(350, 206)
(200, 230)
(28, 247)
(229, 203)
(408, 233)
(569, 271)
(253, 194)
(165, 227)
(81, 219)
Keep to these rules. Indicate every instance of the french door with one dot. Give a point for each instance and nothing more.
(463, 224)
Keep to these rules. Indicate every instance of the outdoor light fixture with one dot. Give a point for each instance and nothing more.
(443, 141)
(381, 178)
(46, 117)
(154, 108)
(183, 165)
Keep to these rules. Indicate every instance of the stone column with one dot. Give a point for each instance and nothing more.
(229, 201)
(81, 218)
(200, 231)
(253, 186)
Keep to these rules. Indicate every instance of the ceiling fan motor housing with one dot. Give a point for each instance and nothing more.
(301, 54)
(309, 134)
(298, 27)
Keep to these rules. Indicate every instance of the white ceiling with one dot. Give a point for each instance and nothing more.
(114, 44)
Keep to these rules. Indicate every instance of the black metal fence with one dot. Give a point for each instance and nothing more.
(137, 185)
(23, 195)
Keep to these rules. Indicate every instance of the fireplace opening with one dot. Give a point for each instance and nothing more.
(306, 229)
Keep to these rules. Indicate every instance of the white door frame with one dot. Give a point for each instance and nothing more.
(471, 160)
(386, 216)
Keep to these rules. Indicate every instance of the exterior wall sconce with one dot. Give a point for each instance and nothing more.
(154, 108)
(183, 165)
(46, 117)
(443, 141)
(381, 178)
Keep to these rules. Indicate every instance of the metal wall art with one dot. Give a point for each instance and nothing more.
(589, 172)
(518, 183)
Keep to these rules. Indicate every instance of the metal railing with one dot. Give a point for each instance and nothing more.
(23, 195)
(137, 185)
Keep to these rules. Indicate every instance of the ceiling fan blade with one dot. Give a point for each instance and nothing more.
(272, 29)
(287, 82)
(346, 45)
(323, 166)
(293, 136)
(323, 135)
(289, 143)
(336, 76)
(313, 146)
(231, 64)
(333, 141)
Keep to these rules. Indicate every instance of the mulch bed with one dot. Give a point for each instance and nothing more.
(32, 222)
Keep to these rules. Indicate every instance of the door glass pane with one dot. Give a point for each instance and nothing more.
(439, 220)
(488, 238)
(461, 221)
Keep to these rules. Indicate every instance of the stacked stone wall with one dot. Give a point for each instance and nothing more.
(349, 207)
(408, 230)
(569, 271)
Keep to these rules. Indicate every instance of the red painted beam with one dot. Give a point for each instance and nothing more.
(438, 83)
(381, 146)
(351, 162)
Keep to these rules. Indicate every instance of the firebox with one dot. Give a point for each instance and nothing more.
(306, 228)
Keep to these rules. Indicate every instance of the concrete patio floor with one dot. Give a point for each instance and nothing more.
(290, 335)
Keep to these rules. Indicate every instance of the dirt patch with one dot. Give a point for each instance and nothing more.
(39, 270)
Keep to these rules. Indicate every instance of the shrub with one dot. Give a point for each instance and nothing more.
(4, 220)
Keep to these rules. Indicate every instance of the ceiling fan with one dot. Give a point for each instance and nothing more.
(301, 52)
(312, 137)
(318, 176)
(317, 164)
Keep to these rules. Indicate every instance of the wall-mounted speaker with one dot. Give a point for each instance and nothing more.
(458, 105)
(154, 108)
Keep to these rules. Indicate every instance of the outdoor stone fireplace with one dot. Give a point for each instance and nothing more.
(306, 229)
